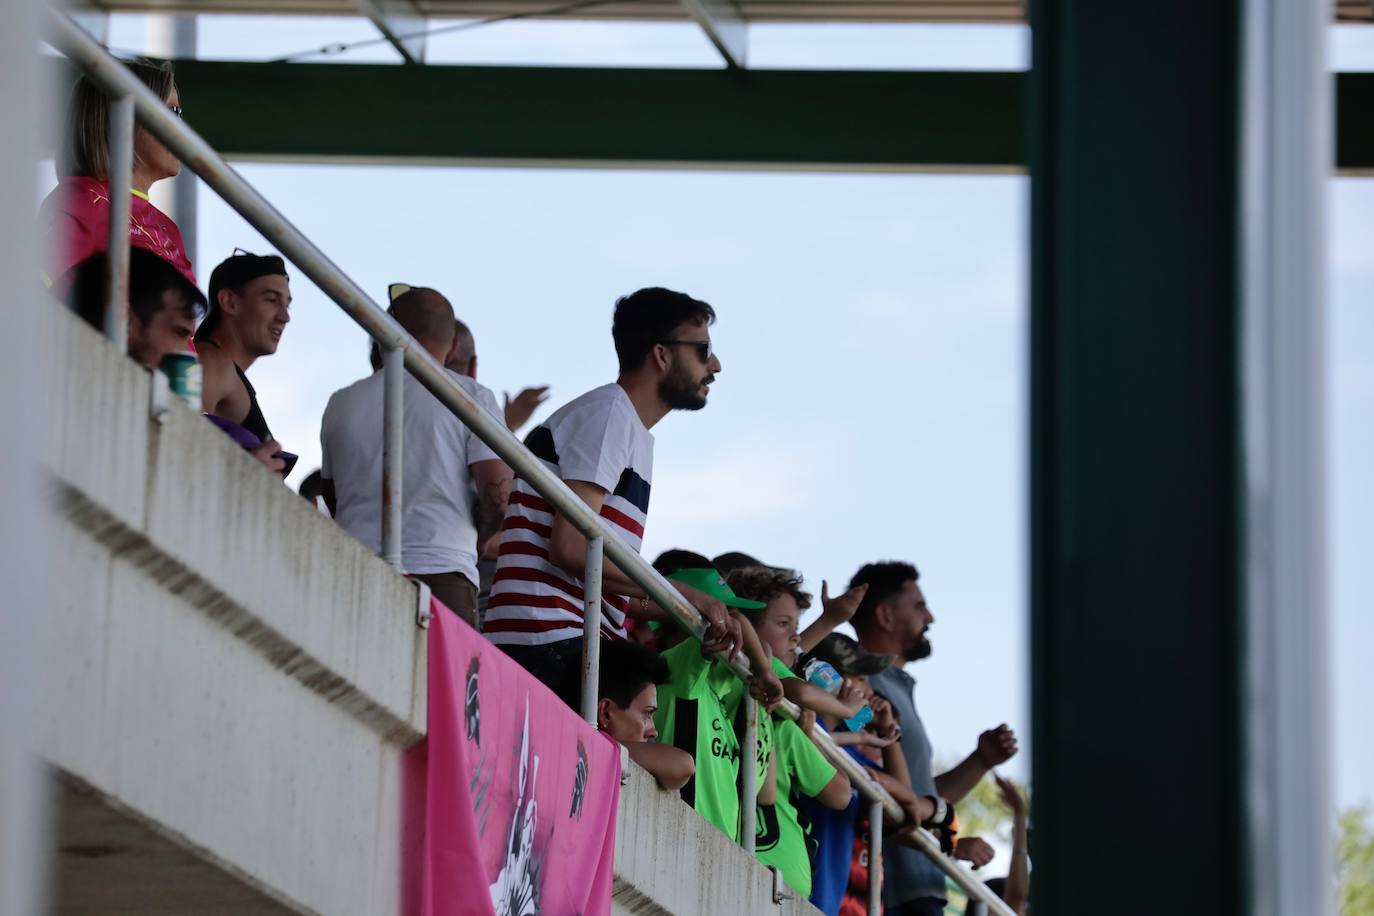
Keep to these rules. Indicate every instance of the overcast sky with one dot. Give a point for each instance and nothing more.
(872, 333)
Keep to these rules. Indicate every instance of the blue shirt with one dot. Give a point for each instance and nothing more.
(833, 835)
(907, 873)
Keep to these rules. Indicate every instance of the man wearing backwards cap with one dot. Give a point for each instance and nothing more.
(692, 713)
(250, 298)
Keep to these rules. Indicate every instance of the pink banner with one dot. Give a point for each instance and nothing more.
(516, 794)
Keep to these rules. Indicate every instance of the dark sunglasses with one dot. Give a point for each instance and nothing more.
(703, 347)
(175, 109)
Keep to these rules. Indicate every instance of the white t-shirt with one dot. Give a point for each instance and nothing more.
(597, 438)
(437, 530)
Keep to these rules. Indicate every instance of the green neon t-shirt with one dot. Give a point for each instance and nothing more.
(731, 690)
(691, 716)
(781, 839)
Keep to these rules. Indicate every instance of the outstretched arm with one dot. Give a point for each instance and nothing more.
(808, 695)
(1017, 893)
(568, 550)
(995, 746)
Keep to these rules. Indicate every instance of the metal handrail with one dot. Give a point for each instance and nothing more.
(197, 155)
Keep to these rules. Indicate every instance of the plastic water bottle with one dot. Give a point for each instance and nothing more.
(824, 676)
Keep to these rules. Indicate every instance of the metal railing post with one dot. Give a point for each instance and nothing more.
(121, 178)
(748, 784)
(591, 628)
(875, 858)
(393, 425)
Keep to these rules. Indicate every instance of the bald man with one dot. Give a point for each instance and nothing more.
(441, 522)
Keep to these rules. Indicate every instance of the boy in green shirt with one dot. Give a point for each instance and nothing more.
(801, 769)
(697, 706)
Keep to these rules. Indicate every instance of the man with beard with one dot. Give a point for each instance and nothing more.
(600, 445)
(892, 620)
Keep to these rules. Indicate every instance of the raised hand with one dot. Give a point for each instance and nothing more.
(765, 687)
(884, 719)
(841, 610)
(1011, 796)
(996, 746)
(520, 408)
(852, 696)
(867, 738)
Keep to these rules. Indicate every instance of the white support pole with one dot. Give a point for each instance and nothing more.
(1286, 160)
(121, 178)
(393, 426)
(875, 858)
(27, 681)
(749, 788)
(591, 628)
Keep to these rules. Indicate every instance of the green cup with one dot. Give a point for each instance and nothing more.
(183, 374)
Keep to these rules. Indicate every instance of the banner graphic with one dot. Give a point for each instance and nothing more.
(519, 794)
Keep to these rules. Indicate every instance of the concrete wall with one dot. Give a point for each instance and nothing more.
(239, 680)
(668, 860)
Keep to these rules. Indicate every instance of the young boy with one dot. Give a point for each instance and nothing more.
(802, 771)
(700, 700)
(840, 855)
(627, 698)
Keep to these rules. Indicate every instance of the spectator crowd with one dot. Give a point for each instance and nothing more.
(499, 555)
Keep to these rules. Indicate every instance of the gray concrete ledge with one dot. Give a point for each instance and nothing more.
(668, 860)
(179, 499)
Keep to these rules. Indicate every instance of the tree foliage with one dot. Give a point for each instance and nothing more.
(1355, 862)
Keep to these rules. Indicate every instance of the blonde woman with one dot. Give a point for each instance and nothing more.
(74, 219)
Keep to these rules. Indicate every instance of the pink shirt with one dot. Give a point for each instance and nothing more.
(74, 221)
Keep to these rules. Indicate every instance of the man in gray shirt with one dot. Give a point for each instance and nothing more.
(893, 619)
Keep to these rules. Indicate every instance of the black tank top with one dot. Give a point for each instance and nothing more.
(255, 423)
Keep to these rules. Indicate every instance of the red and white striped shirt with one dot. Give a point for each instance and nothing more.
(597, 438)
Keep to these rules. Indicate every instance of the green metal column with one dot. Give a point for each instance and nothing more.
(1136, 607)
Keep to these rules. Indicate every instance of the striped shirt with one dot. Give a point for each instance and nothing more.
(597, 438)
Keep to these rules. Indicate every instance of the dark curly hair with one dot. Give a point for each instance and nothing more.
(764, 583)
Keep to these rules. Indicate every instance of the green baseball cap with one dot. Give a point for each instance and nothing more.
(710, 581)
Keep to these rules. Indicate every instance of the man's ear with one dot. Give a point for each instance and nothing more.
(603, 713)
(884, 616)
(662, 358)
(452, 349)
(224, 299)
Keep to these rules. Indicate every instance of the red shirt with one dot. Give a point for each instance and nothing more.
(74, 221)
